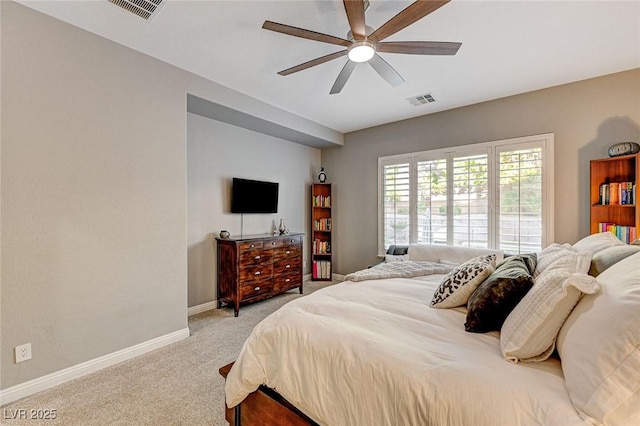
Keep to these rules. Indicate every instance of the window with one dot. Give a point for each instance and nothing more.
(492, 195)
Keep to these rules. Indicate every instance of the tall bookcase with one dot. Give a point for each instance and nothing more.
(613, 198)
(321, 229)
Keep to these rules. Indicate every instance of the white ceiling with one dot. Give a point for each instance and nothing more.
(508, 47)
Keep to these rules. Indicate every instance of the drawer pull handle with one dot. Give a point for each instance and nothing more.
(257, 273)
(287, 280)
(288, 266)
(292, 241)
(273, 243)
(287, 252)
(252, 246)
(256, 289)
(257, 257)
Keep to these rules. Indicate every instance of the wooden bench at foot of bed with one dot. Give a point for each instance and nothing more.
(264, 407)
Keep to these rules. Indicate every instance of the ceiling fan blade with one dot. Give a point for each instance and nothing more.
(300, 32)
(343, 77)
(355, 15)
(386, 71)
(408, 16)
(419, 47)
(313, 62)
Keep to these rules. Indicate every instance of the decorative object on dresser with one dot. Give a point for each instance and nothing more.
(256, 267)
(613, 198)
(321, 230)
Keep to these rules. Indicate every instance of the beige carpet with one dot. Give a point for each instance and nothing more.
(175, 385)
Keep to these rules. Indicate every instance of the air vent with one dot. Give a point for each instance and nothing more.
(421, 99)
(143, 8)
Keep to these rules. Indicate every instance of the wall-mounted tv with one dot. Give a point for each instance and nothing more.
(254, 196)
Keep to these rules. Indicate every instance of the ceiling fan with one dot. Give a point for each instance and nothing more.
(363, 44)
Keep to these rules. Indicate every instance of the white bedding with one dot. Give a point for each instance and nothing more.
(375, 353)
(404, 269)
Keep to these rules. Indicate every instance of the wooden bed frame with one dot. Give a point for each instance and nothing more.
(264, 407)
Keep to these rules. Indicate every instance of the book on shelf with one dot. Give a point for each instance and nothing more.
(624, 233)
(322, 269)
(617, 193)
(321, 247)
(322, 201)
(322, 224)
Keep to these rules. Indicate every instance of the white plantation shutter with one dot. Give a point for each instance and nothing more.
(493, 194)
(432, 201)
(520, 200)
(471, 201)
(396, 203)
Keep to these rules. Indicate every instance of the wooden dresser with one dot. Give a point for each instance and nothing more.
(257, 267)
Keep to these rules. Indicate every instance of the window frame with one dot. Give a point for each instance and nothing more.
(492, 149)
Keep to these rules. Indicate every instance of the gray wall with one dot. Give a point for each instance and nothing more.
(93, 198)
(217, 152)
(94, 192)
(586, 117)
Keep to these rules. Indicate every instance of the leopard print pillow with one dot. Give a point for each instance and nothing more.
(456, 288)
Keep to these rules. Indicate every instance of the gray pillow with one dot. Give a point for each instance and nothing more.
(496, 297)
(610, 256)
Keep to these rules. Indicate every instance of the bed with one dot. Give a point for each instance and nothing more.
(373, 352)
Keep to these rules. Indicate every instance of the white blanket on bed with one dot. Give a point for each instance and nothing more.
(404, 269)
(374, 353)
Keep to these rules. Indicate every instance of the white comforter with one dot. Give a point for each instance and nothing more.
(375, 353)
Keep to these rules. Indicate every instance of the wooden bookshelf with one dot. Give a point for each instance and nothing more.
(321, 230)
(615, 209)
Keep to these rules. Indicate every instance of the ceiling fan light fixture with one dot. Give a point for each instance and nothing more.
(361, 51)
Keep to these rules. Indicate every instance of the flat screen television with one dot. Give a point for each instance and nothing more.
(254, 196)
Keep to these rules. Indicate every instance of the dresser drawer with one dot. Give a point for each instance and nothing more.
(292, 241)
(251, 245)
(275, 243)
(284, 266)
(256, 272)
(255, 257)
(287, 252)
(252, 289)
(287, 281)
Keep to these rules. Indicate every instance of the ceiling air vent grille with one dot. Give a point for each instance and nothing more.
(421, 99)
(143, 8)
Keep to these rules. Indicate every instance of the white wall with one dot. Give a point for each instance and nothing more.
(217, 152)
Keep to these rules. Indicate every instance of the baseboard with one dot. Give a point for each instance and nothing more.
(337, 277)
(50, 380)
(207, 306)
(203, 307)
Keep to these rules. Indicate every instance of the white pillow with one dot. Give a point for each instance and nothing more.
(596, 242)
(395, 257)
(550, 254)
(599, 344)
(456, 288)
(529, 332)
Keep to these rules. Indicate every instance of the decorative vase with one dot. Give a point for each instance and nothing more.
(224, 234)
(282, 228)
(322, 177)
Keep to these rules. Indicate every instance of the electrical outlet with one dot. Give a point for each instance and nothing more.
(23, 352)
